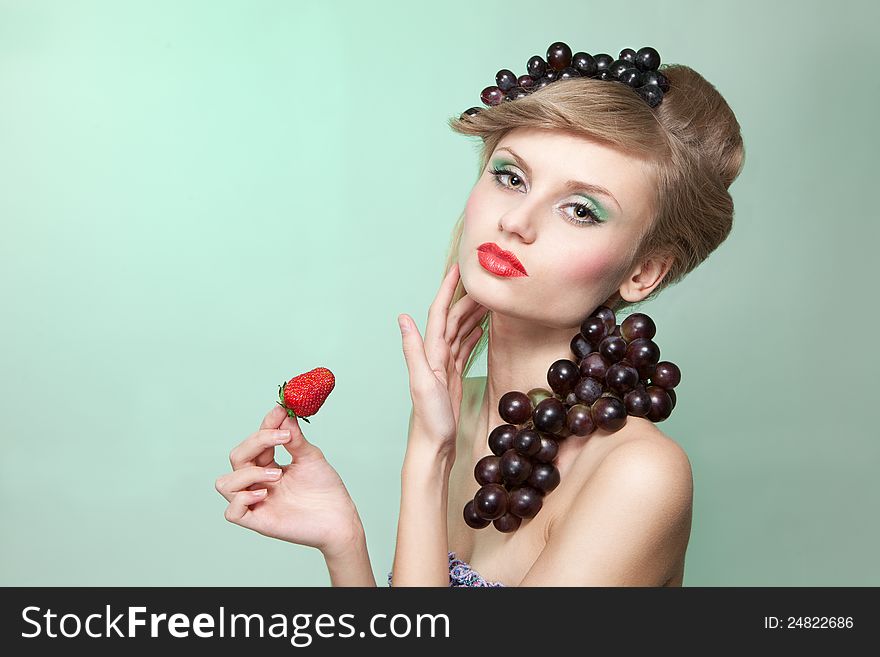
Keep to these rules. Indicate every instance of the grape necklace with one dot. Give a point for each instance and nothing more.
(616, 372)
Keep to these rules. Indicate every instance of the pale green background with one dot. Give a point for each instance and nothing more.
(202, 199)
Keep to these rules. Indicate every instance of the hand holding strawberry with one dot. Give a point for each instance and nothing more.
(304, 502)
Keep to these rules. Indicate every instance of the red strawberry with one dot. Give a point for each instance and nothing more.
(303, 395)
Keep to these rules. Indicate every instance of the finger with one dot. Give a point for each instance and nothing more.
(469, 322)
(266, 459)
(274, 417)
(236, 481)
(298, 447)
(247, 451)
(467, 347)
(435, 329)
(459, 313)
(414, 352)
(238, 507)
(272, 420)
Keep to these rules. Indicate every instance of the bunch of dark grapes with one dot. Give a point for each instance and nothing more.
(616, 372)
(634, 68)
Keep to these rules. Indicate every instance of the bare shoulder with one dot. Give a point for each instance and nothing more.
(652, 462)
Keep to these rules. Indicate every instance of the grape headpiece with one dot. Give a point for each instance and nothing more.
(635, 68)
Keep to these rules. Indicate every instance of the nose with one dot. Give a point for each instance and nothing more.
(521, 221)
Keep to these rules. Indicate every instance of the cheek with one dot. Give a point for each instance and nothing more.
(582, 268)
(477, 207)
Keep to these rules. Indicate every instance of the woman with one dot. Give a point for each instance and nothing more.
(598, 199)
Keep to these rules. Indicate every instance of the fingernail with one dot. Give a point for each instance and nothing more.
(281, 436)
(403, 325)
(259, 493)
(273, 472)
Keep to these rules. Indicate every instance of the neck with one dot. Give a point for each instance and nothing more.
(519, 353)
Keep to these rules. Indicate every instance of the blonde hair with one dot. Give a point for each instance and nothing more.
(691, 142)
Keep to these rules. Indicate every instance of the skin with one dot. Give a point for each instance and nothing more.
(621, 515)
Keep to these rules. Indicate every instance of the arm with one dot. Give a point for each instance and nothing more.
(628, 525)
(351, 566)
(421, 557)
(435, 367)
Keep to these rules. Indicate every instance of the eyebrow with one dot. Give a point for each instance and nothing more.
(571, 185)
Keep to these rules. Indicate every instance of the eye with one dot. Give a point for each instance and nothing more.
(589, 215)
(498, 173)
(583, 210)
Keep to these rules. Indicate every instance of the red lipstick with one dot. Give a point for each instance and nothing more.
(498, 261)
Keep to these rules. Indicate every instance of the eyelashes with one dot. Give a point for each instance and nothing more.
(498, 173)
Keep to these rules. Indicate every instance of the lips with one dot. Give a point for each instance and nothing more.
(501, 261)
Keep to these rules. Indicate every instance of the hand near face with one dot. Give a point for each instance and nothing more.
(436, 363)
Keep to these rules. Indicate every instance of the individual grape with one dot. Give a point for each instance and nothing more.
(491, 501)
(647, 59)
(594, 329)
(638, 325)
(505, 79)
(609, 413)
(661, 404)
(618, 66)
(549, 415)
(527, 442)
(584, 63)
(537, 395)
(549, 449)
(628, 55)
(603, 61)
(637, 401)
(595, 366)
(562, 376)
(544, 478)
(515, 468)
(471, 518)
(525, 502)
(501, 438)
(580, 346)
(621, 377)
(536, 66)
(507, 523)
(559, 55)
(657, 79)
(492, 96)
(579, 421)
(487, 470)
(666, 375)
(525, 81)
(606, 315)
(514, 407)
(612, 348)
(631, 76)
(588, 390)
(642, 351)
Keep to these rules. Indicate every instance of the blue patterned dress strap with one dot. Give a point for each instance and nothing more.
(461, 574)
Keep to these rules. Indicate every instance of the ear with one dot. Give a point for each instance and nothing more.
(645, 277)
